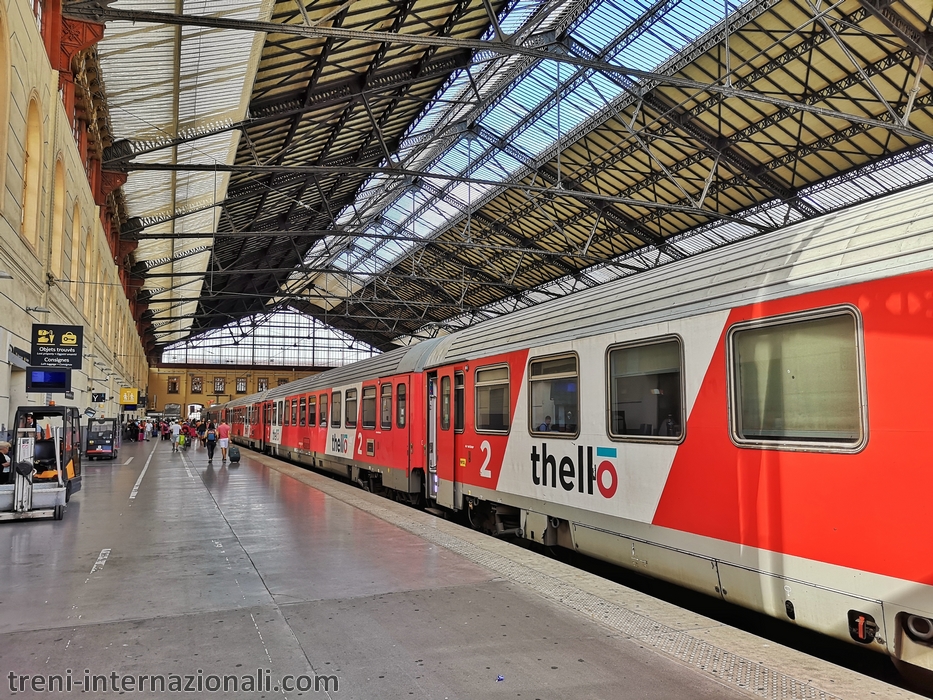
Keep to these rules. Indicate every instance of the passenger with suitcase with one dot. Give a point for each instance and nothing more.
(223, 436)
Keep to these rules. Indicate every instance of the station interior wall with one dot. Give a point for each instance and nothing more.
(52, 239)
(174, 385)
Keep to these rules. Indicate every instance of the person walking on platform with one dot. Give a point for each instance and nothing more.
(6, 470)
(223, 436)
(210, 439)
(176, 431)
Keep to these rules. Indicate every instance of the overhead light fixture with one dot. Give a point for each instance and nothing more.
(90, 354)
(39, 309)
(4, 275)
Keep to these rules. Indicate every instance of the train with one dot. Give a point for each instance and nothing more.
(753, 422)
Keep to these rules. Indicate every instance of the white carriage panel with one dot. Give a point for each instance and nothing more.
(343, 441)
(634, 474)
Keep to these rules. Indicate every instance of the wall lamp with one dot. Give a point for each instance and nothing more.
(4, 275)
(39, 309)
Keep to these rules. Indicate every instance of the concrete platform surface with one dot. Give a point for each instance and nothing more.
(170, 577)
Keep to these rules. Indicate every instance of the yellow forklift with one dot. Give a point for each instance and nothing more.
(46, 463)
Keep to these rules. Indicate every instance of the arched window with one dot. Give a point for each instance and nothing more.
(5, 70)
(75, 250)
(57, 251)
(90, 278)
(32, 176)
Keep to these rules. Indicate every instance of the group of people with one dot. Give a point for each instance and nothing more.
(200, 432)
(139, 430)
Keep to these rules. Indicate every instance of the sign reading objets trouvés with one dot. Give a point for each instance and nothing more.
(56, 346)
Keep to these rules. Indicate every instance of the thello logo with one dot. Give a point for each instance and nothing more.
(580, 475)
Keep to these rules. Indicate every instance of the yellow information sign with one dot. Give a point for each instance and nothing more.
(129, 397)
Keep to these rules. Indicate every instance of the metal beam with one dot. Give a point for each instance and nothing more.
(92, 11)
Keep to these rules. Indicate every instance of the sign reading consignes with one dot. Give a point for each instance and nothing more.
(56, 346)
(129, 397)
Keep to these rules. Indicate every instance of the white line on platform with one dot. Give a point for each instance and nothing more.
(185, 462)
(101, 560)
(98, 565)
(128, 461)
(142, 474)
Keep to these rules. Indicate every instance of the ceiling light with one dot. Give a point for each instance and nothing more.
(4, 275)
(39, 309)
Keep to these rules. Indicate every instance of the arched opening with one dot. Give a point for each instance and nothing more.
(56, 250)
(32, 176)
(75, 250)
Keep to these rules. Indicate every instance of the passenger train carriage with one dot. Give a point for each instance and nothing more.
(753, 423)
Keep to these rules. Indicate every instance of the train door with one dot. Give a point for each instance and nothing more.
(266, 419)
(446, 458)
(431, 486)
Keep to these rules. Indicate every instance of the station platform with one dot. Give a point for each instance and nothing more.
(275, 582)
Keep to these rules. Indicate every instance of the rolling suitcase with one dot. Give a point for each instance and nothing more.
(234, 453)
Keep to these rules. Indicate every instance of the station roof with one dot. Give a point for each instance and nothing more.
(400, 169)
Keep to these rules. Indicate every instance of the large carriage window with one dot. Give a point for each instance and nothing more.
(302, 412)
(369, 407)
(445, 403)
(335, 409)
(285, 414)
(553, 391)
(400, 407)
(323, 411)
(798, 380)
(458, 401)
(350, 404)
(312, 411)
(645, 390)
(385, 408)
(492, 398)
(294, 411)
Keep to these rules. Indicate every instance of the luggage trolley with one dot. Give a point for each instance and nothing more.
(46, 467)
(103, 438)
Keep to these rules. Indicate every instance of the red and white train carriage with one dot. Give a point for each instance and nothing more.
(753, 423)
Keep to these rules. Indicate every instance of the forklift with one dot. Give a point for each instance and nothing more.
(46, 463)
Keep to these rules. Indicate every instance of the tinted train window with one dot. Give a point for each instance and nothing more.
(312, 411)
(294, 411)
(285, 415)
(553, 391)
(458, 401)
(335, 410)
(302, 412)
(385, 408)
(798, 380)
(369, 407)
(400, 407)
(323, 411)
(445, 403)
(646, 391)
(492, 399)
(350, 405)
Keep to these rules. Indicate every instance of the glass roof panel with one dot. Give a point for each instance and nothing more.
(257, 340)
